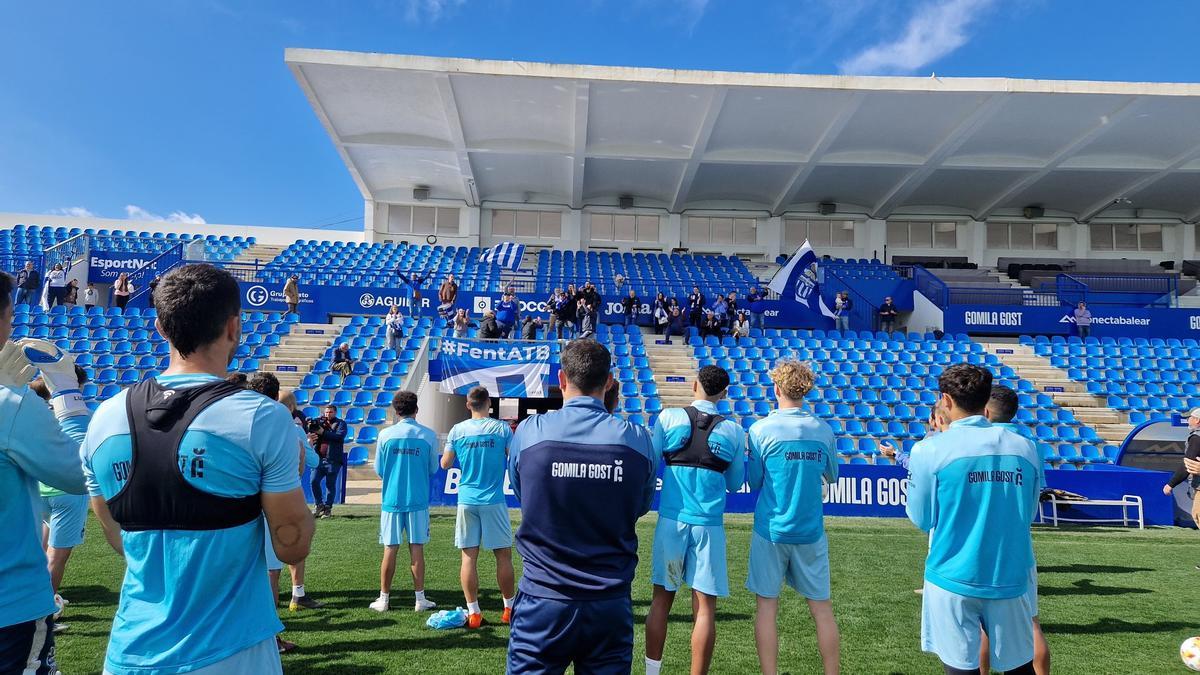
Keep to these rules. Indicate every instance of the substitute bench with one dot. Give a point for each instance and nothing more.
(1127, 503)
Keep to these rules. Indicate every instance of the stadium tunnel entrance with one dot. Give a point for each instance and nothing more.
(1158, 445)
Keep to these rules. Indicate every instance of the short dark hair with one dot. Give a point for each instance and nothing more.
(7, 284)
(239, 379)
(1003, 403)
(479, 398)
(194, 302)
(586, 364)
(405, 403)
(266, 384)
(969, 386)
(329, 406)
(611, 398)
(713, 379)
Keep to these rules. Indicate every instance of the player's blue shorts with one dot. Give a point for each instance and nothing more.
(273, 561)
(805, 567)
(392, 527)
(1031, 592)
(548, 635)
(689, 554)
(260, 658)
(66, 515)
(950, 628)
(483, 525)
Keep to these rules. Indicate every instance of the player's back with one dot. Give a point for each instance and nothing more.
(192, 597)
(692, 494)
(976, 486)
(790, 452)
(481, 447)
(405, 458)
(583, 477)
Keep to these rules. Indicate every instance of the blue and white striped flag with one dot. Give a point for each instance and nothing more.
(797, 281)
(506, 254)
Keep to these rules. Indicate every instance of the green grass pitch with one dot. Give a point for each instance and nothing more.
(1112, 601)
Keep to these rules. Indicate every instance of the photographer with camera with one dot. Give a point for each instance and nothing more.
(327, 434)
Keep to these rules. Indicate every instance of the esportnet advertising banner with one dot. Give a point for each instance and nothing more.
(1107, 321)
(105, 266)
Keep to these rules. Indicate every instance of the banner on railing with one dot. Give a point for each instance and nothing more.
(507, 368)
(105, 266)
(1132, 322)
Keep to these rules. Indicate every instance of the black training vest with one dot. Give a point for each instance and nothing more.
(696, 453)
(157, 497)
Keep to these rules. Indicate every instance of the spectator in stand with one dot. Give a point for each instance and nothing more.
(91, 297)
(394, 325)
(676, 325)
(488, 328)
(592, 295)
(56, 286)
(711, 325)
(508, 314)
(530, 326)
(661, 317)
(741, 327)
(731, 301)
(552, 308)
(887, 315)
(291, 293)
(447, 294)
(153, 287)
(619, 280)
(841, 311)
(720, 310)
(71, 296)
(327, 434)
(121, 291)
(587, 320)
(632, 305)
(564, 315)
(755, 298)
(343, 362)
(1083, 320)
(572, 305)
(660, 300)
(462, 323)
(695, 306)
(29, 282)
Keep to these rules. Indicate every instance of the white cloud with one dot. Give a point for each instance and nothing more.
(693, 11)
(134, 212)
(936, 29)
(73, 211)
(420, 11)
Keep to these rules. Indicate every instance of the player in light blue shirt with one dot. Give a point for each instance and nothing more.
(480, 445)
(791, 454)
(975, 487)
(35, 445)
(406, 458)
(705, 457)
(188, 516)
(1001, 409)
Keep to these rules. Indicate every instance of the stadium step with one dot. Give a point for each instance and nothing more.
(1066, 393)
(674, 370)
(260, 254)
(294, 356)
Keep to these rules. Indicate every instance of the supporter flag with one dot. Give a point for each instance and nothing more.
(507, 368)
(798, 281)
(506, 254)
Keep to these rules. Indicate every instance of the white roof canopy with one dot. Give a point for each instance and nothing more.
(503, 131)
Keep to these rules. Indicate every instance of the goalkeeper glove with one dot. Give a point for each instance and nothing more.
(58, 372)
(15, 369)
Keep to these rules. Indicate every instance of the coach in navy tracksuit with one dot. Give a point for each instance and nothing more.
(583, 478)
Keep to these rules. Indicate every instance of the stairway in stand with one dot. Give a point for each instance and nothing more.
(1091, 410)
(262, 253)
(674, 371)
(294, 356)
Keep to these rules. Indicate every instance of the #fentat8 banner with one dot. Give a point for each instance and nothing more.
(508, 368)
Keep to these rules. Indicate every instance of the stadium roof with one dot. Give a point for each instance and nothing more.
(587, 135)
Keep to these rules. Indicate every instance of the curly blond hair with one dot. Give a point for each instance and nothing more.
(794, 378)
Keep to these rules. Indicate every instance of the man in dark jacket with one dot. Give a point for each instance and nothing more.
(488, 328)
(695, 306)
(327, 434)
(530, 326)
(676, 325)
(632, 305)
(29, 282)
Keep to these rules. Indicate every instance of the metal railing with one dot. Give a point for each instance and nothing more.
(160, 264)
(66, 253)
(863, 313)
(930, 286)
(1017, 297)
(1129, 290)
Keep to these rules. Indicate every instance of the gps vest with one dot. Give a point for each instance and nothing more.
(157, 496)
(697, 453)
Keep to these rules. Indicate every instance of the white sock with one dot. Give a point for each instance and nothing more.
(420, 596)
(473, 608)
(508, 602)
(652, 666)
(384, 596)
(298, 591)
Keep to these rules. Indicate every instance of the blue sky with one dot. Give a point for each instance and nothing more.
(185, 110)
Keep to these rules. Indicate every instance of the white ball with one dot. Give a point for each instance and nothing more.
(1189, 651)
